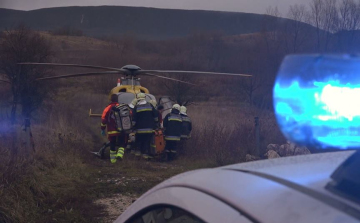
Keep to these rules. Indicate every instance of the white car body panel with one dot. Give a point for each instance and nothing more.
(281, 190)
(189, 200)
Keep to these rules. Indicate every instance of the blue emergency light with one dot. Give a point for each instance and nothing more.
(317, 100)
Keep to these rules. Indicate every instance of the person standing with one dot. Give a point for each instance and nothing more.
(172, 126)
(145, 119)
(186, 123)
(115, 137)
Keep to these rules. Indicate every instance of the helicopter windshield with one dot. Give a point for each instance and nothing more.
(126, 98)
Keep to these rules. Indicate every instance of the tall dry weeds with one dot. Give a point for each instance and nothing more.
(50, 184)
(224, 135)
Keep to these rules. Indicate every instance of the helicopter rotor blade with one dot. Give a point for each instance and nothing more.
(78, 75)
(189, 72)
(74, 65)
(168, 78)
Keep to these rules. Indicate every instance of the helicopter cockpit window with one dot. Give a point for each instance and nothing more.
(125, 97)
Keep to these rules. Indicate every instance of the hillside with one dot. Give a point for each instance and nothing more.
(147, 23)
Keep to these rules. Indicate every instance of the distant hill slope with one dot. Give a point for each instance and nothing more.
(149, 23)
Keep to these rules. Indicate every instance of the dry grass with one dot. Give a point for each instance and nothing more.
(51, 184)
(224, 135)
(60, 180)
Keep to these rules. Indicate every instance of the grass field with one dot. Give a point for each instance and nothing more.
(63, 182)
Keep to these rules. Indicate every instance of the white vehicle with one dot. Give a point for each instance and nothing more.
(284, 190)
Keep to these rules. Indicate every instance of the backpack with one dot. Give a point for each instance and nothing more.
(123, 118)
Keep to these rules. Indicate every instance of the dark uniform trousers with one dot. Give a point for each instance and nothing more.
(120, 140)
(143, 141)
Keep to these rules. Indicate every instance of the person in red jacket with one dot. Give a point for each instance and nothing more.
(115, 137)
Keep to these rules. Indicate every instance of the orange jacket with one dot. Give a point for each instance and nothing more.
(108, 120)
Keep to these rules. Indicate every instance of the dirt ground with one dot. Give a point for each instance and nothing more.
(119, 185)
(115, 205)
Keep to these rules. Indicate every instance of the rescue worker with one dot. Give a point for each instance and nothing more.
(115, 137)
(172, 126)
(145, 118)
(185, 129)
(133, 103)
(186, 123)
(131, 140)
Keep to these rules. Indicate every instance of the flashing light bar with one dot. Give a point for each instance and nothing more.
(317, 100)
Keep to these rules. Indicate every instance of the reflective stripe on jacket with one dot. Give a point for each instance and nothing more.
(173, 125)
(186, 127)
(145, 118)
(108, 120)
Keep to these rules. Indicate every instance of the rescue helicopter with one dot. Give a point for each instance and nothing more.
(129, 86)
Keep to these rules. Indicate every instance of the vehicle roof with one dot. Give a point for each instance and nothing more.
(287, 189)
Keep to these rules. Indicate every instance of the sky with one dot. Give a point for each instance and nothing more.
(252, 6)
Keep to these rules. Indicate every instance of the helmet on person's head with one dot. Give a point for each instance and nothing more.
(183, 110)
(114, 98)
(153, 103)
(160, 107)
(133, 103)
(176, 106)
(141, 96)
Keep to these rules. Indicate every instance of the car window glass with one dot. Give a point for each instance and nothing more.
(164, 214)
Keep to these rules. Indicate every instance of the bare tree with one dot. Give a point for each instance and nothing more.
(296, 30)
(316, 18)
(349, 22)
(325, 19)
(330, 15)
(24, 45)
(183, 94)
(272, 29)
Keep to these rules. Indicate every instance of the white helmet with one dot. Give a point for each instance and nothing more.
(141, 96)
(133, 103)
(183, 110)
(176, 106)
(153, 103)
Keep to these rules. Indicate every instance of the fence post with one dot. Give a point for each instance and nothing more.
(257, 136)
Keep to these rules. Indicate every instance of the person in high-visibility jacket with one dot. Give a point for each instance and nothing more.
(131, 139)
(186, 123)
(172, 126)
(145, 119)
(115, 137)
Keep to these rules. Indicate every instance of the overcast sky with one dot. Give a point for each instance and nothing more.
(254, 6)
